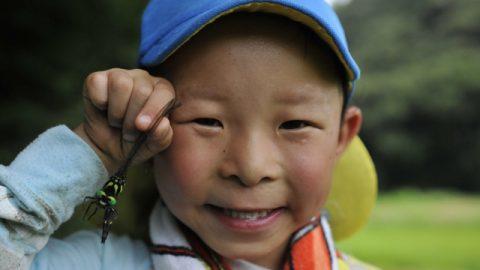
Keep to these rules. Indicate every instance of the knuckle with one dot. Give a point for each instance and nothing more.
(140, 72)
(98, 102)
(165, 86)
(160, 131)
(120, 80)
(123, 83)
(113, 70)
(129, 135)
(163, 126)
(115, 116)
(94, 85)
(164, 141)
(167, 139)
(143, 91)
(167, 95)
(94, 80)
(129, 124)
(116, 123)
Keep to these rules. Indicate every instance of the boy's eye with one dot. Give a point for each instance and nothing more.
(294, 124)
(208, 122)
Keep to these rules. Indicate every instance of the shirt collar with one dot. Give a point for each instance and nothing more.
(176, 247)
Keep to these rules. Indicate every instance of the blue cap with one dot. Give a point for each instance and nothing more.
(167, 24)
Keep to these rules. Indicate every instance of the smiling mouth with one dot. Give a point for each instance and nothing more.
(244, 214)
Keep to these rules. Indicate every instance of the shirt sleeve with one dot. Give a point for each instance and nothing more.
(39, 191)
(83, 250)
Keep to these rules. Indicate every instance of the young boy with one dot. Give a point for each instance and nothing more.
(243, 166)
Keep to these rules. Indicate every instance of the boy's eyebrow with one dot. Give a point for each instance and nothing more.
(284, 98)
(294, 98)
(208, 95)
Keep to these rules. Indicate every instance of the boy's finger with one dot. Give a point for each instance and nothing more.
(97, 127)
(140, 74)
(95, 89)
(142, 90)
(162, 94)
(120, 85)
(159, 139)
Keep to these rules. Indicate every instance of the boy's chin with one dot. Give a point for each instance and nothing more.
(267, 254)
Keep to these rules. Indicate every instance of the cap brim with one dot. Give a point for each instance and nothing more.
(317, 15)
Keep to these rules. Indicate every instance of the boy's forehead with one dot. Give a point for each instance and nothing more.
(255, 27)
(229, 63)
(262, 42)
(282, 96)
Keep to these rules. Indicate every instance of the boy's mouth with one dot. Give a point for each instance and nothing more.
(244, 214)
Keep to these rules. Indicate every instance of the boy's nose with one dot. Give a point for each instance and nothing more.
(250, 160)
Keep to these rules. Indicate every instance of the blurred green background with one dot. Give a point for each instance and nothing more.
(419, 91)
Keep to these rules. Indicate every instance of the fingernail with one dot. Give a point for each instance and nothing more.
(144, 120)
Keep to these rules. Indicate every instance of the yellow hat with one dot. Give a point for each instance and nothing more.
(354, 191)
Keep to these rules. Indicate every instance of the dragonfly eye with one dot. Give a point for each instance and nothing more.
(111, 200)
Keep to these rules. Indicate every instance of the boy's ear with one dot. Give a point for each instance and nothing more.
(352, 121)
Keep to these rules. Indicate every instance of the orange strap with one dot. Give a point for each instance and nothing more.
(309, 252)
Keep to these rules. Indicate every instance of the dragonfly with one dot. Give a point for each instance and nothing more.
(106, 197)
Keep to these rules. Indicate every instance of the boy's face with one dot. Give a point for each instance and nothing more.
(256, 139)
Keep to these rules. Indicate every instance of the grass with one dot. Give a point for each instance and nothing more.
(416, 230)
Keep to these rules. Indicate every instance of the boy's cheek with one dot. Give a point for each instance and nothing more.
(187, 168)
(310, 180)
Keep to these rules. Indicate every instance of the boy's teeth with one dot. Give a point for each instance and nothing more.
(245, 215)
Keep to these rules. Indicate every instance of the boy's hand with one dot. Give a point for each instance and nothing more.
(119, 104)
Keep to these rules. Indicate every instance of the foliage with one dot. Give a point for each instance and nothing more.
(48, 49)
(419, 89)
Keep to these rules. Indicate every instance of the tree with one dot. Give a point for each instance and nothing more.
(420, 89)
